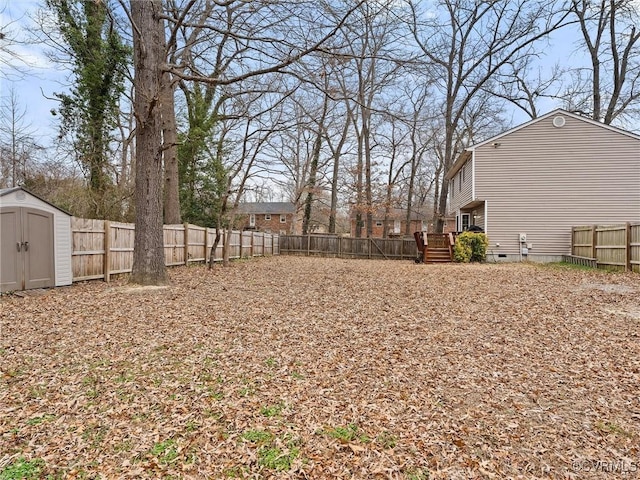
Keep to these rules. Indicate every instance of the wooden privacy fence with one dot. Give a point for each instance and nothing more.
(347, 247)
(102, 248)
(616, 246)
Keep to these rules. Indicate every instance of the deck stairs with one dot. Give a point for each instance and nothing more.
(435, 247)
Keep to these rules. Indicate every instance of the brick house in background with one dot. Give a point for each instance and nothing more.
(269, 217)
(396, 222)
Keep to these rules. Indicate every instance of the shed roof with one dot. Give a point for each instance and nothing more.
(274, 208)
(7, 191)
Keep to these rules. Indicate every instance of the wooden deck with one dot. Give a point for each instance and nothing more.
(435, 247)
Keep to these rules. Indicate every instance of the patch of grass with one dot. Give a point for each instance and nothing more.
(276, 459)
(417, 474)
(297, 375)
(37, 391)
(350, 433)
(125, 446)
(246, 391)
(235, 472)
(386, 440)
(271, 362)
(272, 410)
(94, 435)
(38, 420)
(215, 394)
(22, 469)
(566, 266)
(191, 426)
(166, 451)
(612, 428)
(257, 436)
(124, 377)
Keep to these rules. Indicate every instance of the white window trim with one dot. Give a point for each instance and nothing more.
(267, 216)
(473, 174)
(486, 216)
(283, 219)
(252, 219)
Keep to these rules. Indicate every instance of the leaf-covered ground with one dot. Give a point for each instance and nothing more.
(292, 367)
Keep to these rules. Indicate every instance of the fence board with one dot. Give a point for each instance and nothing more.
(102, 248)
(87, 257)
(609, 246)
(348, 247)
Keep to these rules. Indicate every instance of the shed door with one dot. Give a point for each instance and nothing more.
(27, 249)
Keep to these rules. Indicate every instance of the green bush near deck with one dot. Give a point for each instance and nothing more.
(470, 247)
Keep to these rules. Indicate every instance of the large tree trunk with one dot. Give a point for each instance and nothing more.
(169, 143)
(148, 253)
(170, 153)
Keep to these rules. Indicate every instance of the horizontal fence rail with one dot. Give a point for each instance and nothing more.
(348, 247)
(608, 246)
(102, 248)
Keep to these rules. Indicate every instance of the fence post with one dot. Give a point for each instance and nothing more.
(107, 250)
(308, 244)
(573, 241)
(594, 242)
(627, 266)
(186, 244)
(206, 243)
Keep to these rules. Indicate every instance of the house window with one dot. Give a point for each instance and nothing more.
(460, 181)
(283, 219)
(463, 172)
(267, 216)
(453, 187)
(252, 220)
(465, 221)
(396, 226)
(378, 223)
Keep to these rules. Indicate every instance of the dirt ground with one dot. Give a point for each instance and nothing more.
(292, 367)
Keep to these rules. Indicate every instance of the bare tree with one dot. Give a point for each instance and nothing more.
(372, 39)
(525, 84)
(465, 44)
(270, 48)
(17, 139)
(611, 36)
(13, 65)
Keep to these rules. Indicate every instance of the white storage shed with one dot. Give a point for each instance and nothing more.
(35, 242)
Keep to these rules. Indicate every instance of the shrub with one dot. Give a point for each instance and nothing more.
(470, 247)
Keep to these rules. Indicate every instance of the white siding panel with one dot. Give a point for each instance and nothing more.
(543, 180)
(62, 236)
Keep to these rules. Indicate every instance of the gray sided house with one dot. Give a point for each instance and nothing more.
(529, 185)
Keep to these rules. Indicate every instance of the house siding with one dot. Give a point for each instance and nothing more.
(461, 189)
(541, 180)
